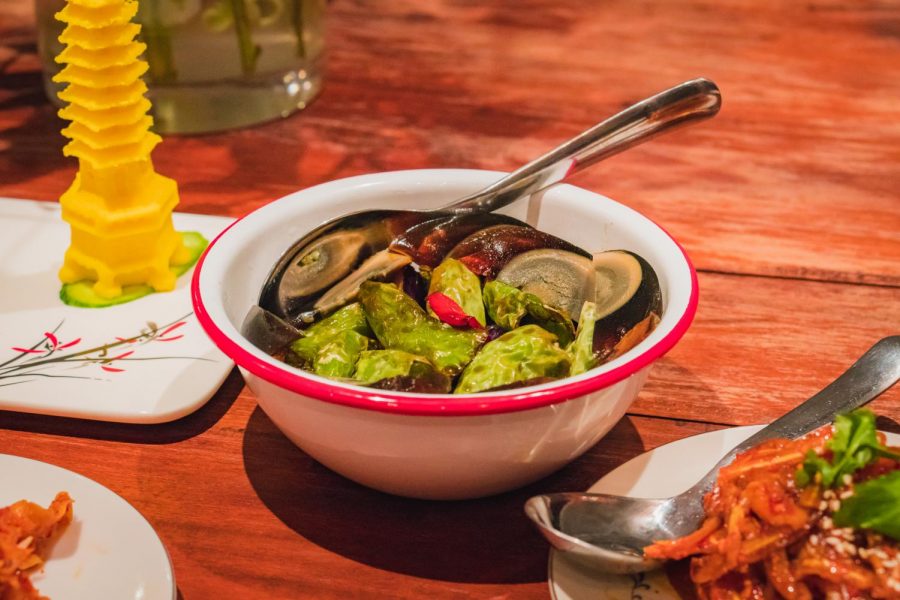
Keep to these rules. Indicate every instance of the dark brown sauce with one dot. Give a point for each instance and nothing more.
(679, 574)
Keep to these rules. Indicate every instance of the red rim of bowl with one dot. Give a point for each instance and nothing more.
(436, 405)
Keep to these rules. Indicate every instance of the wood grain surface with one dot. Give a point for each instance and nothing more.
(787, 202)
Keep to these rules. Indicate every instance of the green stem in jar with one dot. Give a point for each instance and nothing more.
(297, 19)
(159, 45)
(249, 50)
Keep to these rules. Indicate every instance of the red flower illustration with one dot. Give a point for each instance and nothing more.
(47, 353)
(162, 336)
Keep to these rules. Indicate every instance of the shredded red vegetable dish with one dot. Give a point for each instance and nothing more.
(25, 531)
(814, 518)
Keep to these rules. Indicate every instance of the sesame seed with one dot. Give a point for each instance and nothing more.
(844, 532)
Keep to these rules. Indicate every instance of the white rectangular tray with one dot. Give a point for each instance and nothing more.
(146, 361)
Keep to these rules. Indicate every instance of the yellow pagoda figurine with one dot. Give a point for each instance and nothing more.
(118, 207)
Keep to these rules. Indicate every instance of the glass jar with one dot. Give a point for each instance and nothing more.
(216, 64)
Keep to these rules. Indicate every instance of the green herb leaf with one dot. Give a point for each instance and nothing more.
(813, 465)
(875, 505)
(853, 446)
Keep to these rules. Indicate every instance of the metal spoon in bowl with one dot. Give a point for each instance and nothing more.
(324, 268)
(609, 532)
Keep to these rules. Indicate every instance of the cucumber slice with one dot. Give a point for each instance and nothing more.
(81, 293)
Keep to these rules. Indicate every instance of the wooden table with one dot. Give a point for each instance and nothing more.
(787, 202)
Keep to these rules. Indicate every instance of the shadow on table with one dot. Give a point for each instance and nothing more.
(162, 433)
(887, 424)
(23, 89)
(474, 541)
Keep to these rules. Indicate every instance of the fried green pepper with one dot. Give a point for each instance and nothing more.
(523, 354)
(582, 348)
(338, 356)
(381, 364)
(553, 320)
(399, 323)
(509, 306)
(505, 304)
(399, 370)
(349, 318)
(454, 280)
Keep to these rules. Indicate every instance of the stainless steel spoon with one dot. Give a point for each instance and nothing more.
(338, 255)
(608, 532)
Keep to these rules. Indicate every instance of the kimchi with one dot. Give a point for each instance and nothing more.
(26, 529)
(812, 518)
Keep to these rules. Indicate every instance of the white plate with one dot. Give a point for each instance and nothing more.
(166, 375)
(108, 551)
(665, 471)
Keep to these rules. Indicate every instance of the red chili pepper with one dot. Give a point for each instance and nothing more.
(449, 312)
(111, 369)
(27, 350)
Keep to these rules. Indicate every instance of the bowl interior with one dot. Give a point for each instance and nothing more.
(233, 271)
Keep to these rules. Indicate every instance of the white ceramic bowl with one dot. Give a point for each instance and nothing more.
(437, 446)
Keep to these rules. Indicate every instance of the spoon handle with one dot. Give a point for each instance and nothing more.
(690, 101)
(874, 372)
